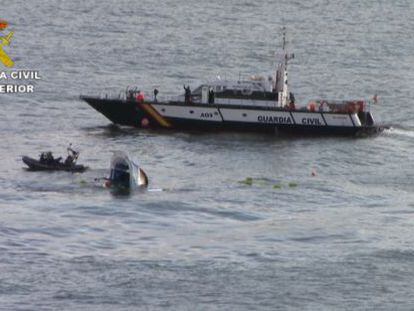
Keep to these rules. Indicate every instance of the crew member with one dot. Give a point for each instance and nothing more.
(130, 95)
(211, 96)
(72, 155)
(187, 95)
(155, 95)
(292, 97)
(291, 104)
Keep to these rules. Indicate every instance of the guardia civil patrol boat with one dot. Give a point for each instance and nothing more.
(255, 104)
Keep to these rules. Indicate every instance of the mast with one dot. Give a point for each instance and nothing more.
(281, 84)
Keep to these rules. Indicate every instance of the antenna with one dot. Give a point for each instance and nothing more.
(282, 74)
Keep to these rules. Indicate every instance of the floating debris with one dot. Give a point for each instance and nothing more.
(248, 181)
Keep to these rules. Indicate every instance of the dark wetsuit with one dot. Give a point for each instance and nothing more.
(211, 96)
(187, 94)
(155, 94)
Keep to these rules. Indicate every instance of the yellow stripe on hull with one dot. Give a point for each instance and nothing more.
(154, 114)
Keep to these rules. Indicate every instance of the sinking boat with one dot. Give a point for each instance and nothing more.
(255, 104)
(125, 173)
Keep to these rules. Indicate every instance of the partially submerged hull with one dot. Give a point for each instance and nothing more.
(211, 117)
(125, 173)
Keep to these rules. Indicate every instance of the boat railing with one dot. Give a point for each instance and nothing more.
(246, 102)
(219, 101)
(110, 95)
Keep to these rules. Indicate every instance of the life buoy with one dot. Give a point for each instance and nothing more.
(3, 24)
(312, 106)
(140, 97)
(352, 107)
(145, 122)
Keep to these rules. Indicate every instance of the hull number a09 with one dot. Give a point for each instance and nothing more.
(206, 115)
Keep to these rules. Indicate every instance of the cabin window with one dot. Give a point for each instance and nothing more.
(191, 111)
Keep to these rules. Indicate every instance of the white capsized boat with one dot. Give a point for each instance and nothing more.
(125, 172)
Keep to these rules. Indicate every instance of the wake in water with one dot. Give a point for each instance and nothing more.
(400, 131)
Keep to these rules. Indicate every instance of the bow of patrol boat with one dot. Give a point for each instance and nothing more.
(118, 111)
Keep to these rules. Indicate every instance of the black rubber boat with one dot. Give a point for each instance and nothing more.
(47, 162)
(37, 165)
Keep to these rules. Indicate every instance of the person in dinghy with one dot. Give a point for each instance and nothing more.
(125, 173)
(47, 162)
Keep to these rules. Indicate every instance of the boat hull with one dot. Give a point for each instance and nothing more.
(212, 118)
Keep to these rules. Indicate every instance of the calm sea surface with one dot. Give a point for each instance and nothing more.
(200, 238)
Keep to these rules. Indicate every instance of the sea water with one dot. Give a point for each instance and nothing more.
(243, 221)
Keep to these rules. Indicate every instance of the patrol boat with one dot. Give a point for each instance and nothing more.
(255, 104)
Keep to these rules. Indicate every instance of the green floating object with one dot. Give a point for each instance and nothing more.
(261, 181)
(247, 181)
